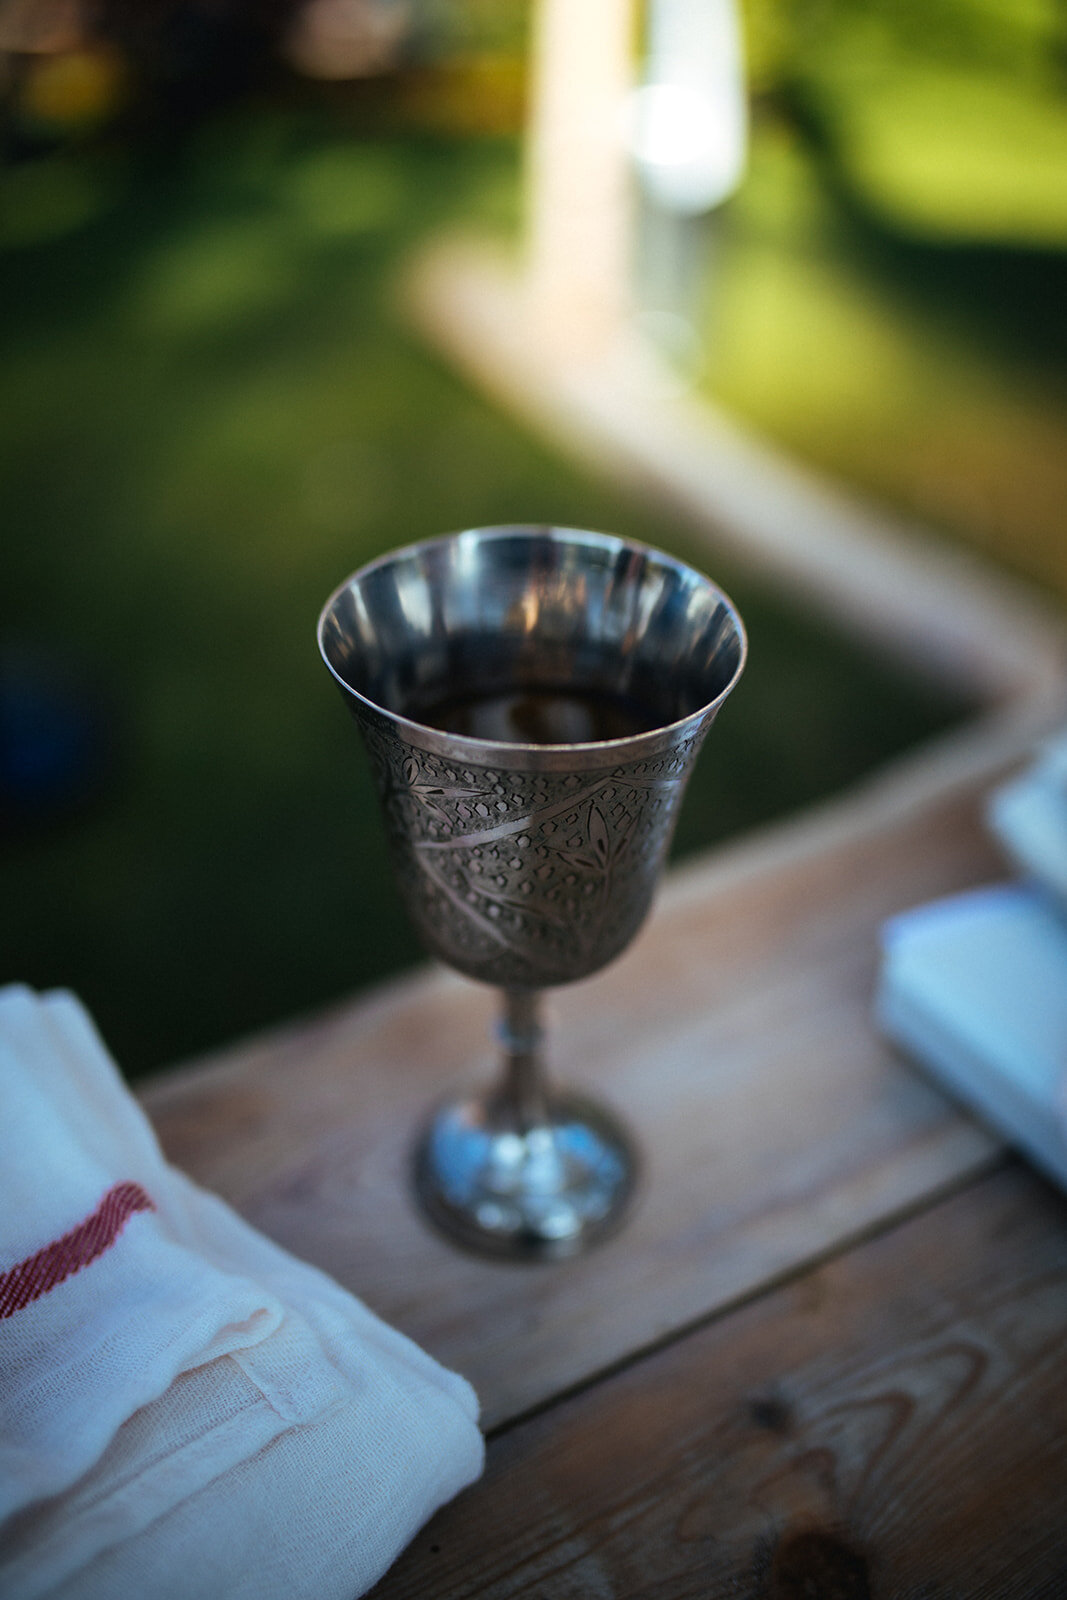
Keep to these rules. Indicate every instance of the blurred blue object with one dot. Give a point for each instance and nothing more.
(1029, 817)
(57, 742)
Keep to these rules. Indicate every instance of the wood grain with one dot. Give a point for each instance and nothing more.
(735, 1036)
(893, 1424)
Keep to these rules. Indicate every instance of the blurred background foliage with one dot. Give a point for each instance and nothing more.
(212, 411)
(888, 295)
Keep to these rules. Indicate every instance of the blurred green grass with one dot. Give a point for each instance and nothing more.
(929, 376)
(886, 290)
(210, 415)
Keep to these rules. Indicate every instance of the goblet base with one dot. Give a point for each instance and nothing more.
(539, 1193)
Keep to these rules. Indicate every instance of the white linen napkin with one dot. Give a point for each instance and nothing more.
(185, 1409)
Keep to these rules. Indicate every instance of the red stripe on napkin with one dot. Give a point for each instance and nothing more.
(32, 1278)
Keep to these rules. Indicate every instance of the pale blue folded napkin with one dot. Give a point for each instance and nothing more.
(1029, 817)
(975, 987)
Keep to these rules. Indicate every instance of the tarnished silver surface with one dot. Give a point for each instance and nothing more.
(523, 879)
(526, 864)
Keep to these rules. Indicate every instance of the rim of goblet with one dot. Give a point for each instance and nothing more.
(464, 747)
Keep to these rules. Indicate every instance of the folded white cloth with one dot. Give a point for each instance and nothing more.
(185, 1409)
(975, 987)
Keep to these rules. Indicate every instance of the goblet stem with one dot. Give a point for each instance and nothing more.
(522, 1171)
(523, 1091)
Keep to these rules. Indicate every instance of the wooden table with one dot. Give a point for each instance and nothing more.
(827, 1356)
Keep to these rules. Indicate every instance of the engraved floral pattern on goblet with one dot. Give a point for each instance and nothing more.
(526, 879)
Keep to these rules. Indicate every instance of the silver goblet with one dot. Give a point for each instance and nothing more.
(532, 700)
